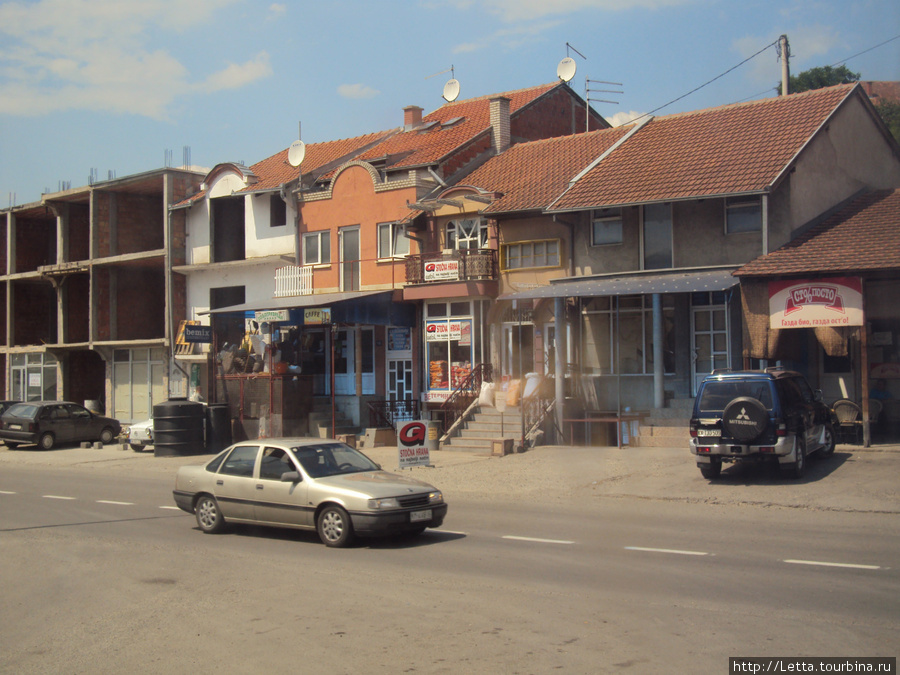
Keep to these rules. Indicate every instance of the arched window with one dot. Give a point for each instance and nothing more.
(467, 233)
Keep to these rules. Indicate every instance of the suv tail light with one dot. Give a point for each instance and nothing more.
(780, 429)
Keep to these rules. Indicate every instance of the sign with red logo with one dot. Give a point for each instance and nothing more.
(412, 445)
(805, 303)
(442, 270)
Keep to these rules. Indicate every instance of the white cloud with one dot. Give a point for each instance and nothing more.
(508, 38)
(526, 10)
(808, 47)
(97, 55)
(357, 91)
(624, 117)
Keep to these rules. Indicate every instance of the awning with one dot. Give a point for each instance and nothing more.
(363, 307)
(637, 283)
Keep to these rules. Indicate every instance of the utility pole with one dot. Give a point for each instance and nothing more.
(784, 51)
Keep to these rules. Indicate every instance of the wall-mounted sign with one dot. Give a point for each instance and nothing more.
(197, 333)
(811, 303)
(442, 270)
(273, 315)
(316, 315)
(439, 331)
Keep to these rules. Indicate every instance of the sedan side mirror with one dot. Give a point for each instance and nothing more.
(291, 477)
(817, 395)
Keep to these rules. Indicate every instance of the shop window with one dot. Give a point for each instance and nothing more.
(392, 241)
(743, 214)
(317, 248)
(531, 254)
(606, 227)
(32, 377)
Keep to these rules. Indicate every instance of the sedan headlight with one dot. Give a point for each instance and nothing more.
(388, 503)
(435, 497)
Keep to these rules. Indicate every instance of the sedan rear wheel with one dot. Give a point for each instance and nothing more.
(334, 526)
(46, 441)
(209, 517)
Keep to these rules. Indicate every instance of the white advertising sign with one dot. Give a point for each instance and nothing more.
(442, 270)
(811, 303)
(411, 443)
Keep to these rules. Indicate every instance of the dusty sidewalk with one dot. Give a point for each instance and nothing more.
(854, 479)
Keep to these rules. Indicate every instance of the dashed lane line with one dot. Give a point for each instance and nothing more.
(59, 497)
(106, 501)
(821, 563)
(539, 541)
(665, 550)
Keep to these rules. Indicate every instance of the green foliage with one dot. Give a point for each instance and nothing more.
(816, 78)
(890, 113)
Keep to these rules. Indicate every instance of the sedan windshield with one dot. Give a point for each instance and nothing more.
(332, 459)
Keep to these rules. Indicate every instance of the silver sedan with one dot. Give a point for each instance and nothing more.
(309, 484)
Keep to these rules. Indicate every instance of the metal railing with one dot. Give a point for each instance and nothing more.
(454, 265)
(462, 397)
(388, 413)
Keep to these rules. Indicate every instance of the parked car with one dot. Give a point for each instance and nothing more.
(5, 405)
(139, 435)
(756, 415)
(308, 484)
(50, 423)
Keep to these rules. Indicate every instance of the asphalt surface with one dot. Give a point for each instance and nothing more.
(854, 479)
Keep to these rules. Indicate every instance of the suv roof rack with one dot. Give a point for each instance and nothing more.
(775, 369)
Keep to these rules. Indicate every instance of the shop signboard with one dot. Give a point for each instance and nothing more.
(413, 443)
(197, 333)
(316, 316)
(442, 270)
(272, 316)
(813, 303)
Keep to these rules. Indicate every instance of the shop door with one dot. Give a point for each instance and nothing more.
(518, 350)
(709, 336)
(344, 363)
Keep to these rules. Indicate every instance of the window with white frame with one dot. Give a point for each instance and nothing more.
(743, 214)
(531, 254)
(606, 227)
(467, 233)
(392, 241)
(618, 334)
(317, 248)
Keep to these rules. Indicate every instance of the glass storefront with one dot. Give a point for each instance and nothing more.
(33, 377)
(453, 345)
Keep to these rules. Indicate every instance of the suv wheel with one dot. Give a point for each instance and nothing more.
(830, 441)
(797, 468)
(745, 419)
(712, 470)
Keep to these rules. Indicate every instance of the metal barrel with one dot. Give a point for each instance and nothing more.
(218, 427)
(178, 428)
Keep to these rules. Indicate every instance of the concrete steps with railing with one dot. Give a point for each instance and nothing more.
(483, 427)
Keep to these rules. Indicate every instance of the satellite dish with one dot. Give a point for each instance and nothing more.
(296, 153)
(451, 90)
(566, 69)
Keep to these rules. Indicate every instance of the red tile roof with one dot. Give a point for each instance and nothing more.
(731, 149)
(530, 175)
(863, 236)
(432, 144)
(274, 171)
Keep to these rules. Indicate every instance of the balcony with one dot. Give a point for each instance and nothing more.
(293, 280)
(452, 266)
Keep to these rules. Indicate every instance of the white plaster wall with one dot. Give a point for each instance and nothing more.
(197, 230)
(262, 239)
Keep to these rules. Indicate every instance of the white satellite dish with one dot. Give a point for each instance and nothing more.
(296, 153)
(566, 69)
(451, 90)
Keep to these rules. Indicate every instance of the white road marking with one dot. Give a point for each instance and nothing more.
(820, 563)
(665, 550)
(5, 492)
(462, 534)
(58, 497)
(539, 541)
(105, 501)
(170, 508)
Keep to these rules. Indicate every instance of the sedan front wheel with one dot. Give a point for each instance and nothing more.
(334, 527)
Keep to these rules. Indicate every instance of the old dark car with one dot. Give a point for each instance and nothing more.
(51, 423)
(308, 484)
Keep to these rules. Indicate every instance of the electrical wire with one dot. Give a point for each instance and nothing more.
(896, 37)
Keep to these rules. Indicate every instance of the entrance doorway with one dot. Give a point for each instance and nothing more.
(709, 335)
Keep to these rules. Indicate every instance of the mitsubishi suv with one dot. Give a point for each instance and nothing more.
(756, 415)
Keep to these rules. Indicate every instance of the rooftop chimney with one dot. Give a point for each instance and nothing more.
(500, 123)
(412, 117)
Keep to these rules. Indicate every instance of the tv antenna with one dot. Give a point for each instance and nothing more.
(566, 68)
(451, 89)
(587, 96)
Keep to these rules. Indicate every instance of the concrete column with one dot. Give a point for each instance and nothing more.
(659, 368)
(561, 337)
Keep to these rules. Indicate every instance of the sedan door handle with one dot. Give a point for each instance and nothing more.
(259, 487)
(220, 482)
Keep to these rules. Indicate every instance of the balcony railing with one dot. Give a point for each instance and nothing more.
(292, 280)
(456, 265)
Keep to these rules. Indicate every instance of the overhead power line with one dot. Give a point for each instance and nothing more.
(866, 51)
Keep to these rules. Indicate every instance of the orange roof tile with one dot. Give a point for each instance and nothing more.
(470, 118)
(530, 175)
(862, 236)
(731, 149)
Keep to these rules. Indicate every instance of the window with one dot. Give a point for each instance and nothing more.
(275, 462)
(317, 248)
(392, 241)
(531, 254)
(240, 462)
(33, 377)
(277, 211)
(138, 382)
(606, 227)
(743, 214)
(657, 236)
(469, 233)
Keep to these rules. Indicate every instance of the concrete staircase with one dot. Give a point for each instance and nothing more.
(485, 426)
(666, 427)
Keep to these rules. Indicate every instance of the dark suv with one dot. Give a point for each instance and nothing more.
(755, 415)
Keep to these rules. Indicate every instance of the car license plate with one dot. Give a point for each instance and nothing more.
(17, 427)
(709, 432)
(419, 516)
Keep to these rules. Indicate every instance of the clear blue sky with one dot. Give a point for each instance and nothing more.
(112, 84)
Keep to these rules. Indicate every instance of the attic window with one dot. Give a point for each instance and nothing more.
(427, 126)
(452, 121)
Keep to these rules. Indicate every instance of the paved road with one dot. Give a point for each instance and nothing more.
(101, 575)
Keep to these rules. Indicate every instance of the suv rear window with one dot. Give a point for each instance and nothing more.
(717, 395)
(27, 410)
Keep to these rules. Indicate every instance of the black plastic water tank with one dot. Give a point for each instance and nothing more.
(218, 427)
(178, 428)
